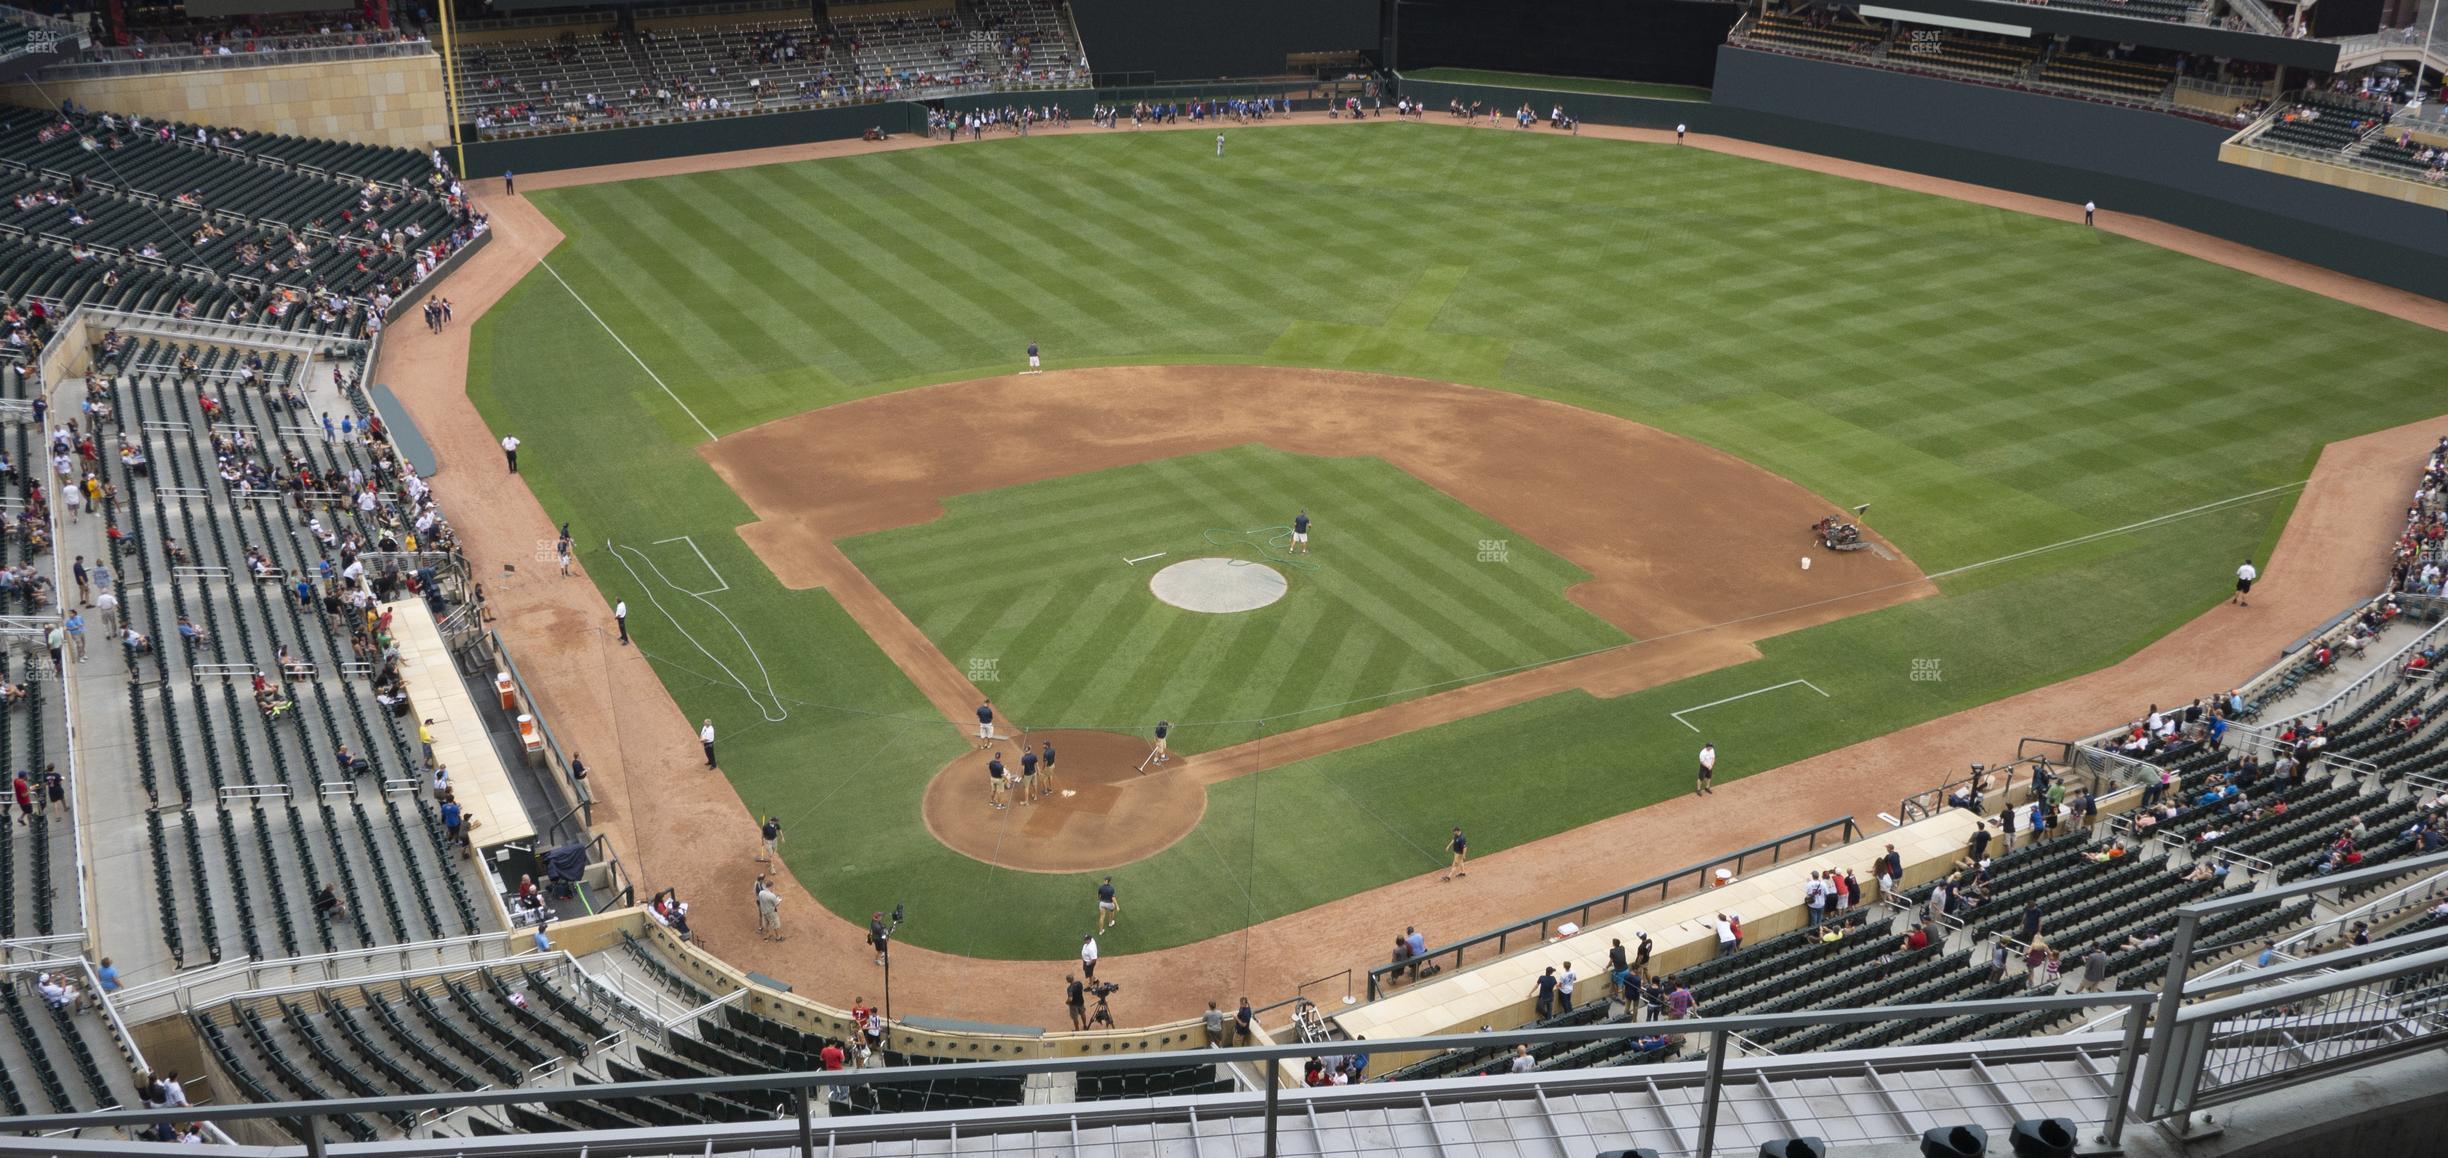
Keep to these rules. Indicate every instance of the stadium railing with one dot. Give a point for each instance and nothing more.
(1723, 1082)
(2216, 1040)
(188, 990)
(149, 65)
(1618, 903)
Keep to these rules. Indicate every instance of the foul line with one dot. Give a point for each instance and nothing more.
(2079, 540)
(1678, 716)
(633, 355)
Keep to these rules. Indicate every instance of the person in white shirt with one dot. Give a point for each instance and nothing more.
(705, 736)
(1088, 956)
(2244, 581)
(510, 445)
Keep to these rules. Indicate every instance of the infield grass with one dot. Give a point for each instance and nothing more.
(1408, 592)
(1992, 382)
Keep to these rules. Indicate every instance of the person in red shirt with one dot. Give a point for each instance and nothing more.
(831, 1055)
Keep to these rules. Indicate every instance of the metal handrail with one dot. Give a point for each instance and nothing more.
(2377, 909)
(801, 1089)
(1621, 898)
(141, 66)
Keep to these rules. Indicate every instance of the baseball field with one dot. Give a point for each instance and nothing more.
(2068, 441)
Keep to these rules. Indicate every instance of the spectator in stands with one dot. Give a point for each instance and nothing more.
(1543, 993)
(1727, 939)
(1679, 1001)
(2036, 957)
(328, 907)
(58, 993)
(1918, 939)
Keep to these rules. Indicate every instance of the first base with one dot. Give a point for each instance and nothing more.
(1806, 562)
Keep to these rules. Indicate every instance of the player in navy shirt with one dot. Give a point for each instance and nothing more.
(1461, 848)
(985, 714)
(1300, 532)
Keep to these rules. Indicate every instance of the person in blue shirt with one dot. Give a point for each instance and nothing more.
(1300, 533)
(108, 975)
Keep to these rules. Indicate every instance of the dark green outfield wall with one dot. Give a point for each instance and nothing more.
(688, 138)
(1596, 108)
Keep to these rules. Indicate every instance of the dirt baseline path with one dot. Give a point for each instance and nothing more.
(608, 702)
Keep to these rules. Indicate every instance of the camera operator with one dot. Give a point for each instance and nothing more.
(1075, 999)
(1102, 1016)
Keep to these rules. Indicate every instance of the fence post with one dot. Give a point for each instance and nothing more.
(2127, 1056)
(313, 1125)
(807, 1122)
(1709, 1089)
(2159, 1101)
(1274, 1081)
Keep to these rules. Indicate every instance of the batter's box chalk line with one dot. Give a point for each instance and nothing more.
(691, 540)
(771, 706)
(1678, 716)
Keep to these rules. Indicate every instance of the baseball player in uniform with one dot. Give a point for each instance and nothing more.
(1300, 532)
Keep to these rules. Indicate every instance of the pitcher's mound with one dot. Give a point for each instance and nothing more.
(1099, 811)
(1218, 585)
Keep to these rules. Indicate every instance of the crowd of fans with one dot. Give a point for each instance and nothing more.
(244, 36)
(2416, 567)
(286, 268)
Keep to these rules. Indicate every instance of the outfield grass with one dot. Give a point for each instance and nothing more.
(1029, 582)
(1589, 84)
(1992, 382)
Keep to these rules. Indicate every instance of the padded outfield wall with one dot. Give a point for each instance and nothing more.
(2131, 160)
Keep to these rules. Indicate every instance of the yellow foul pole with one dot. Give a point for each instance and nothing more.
(450, 93)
